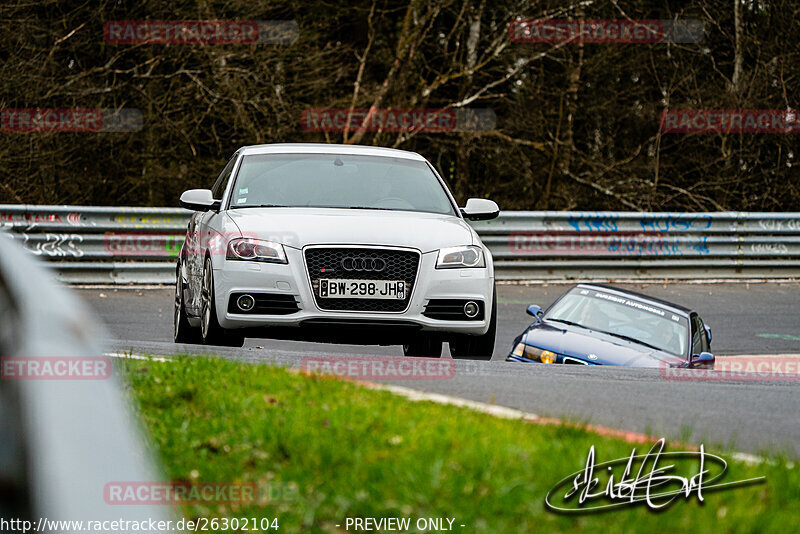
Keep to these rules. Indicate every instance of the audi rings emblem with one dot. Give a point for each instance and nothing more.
(374, 265)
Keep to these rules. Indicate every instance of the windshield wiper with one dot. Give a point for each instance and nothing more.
(367, 208)
(571, 323)
(629, 338)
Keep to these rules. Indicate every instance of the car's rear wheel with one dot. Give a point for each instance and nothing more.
(466, 347)
(423, 345)
(182, 330)
(210, 330)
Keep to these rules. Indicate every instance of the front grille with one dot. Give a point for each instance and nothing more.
(266, 304)
(451, 310)
(324, 262)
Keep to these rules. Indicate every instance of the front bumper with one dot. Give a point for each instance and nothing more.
(292, 279)
(523, 359)
(561, 359)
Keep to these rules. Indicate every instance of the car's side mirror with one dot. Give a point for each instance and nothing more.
(480, 209)
(199, 200)
(534, 311)
(704, 359)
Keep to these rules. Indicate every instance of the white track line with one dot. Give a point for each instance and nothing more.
(490, 409)
(131, 356)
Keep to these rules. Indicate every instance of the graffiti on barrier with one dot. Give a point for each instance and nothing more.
(668, 222)
(56, 245)
(593, 223)
(678, 222)
(779, 224)
(33, 219)
(136, 221)
(769, 248)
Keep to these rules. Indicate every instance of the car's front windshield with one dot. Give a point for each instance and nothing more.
(338, 181)
(649, 324)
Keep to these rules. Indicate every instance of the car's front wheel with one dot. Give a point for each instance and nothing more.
(211, 332)
(182, 331)
(477, 347)
(423, 345)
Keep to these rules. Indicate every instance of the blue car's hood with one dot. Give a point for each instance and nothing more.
(607, 350)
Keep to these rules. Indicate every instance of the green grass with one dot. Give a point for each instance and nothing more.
(332, 449)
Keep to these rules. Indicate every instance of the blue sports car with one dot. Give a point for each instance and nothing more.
(593, 324)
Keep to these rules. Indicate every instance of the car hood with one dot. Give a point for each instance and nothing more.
(580, 343)
(298, 227)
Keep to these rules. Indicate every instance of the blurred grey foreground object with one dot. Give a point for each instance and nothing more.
(61, 441)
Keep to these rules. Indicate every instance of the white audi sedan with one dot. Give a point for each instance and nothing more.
(335, 243)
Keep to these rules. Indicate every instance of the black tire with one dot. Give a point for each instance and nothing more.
(182, 331)
(423, 345)
(210, 330)
(466, 347)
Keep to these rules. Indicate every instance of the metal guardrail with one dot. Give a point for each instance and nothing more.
(123, 245)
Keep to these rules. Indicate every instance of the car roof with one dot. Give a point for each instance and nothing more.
(640, 297)
(326, 148)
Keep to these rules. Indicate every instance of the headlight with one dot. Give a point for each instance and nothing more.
(255, 250)
(534, 353)
(460, 257)
(547, 357)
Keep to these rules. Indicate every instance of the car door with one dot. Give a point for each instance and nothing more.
(203, 226)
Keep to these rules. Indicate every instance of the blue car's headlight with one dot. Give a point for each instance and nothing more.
(534, 353)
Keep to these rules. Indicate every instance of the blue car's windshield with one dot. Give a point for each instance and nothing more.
(600, 311)
(338, 181)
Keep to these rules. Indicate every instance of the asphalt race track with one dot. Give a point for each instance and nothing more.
(745, 319)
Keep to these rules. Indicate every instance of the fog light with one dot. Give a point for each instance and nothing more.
(548, 357)
(246, 302)
(471, 309)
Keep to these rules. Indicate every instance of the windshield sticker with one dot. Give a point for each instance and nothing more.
(243, 191)
(241, 200)
(631, 303)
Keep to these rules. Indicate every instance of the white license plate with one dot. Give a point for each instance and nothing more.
(362, 289)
